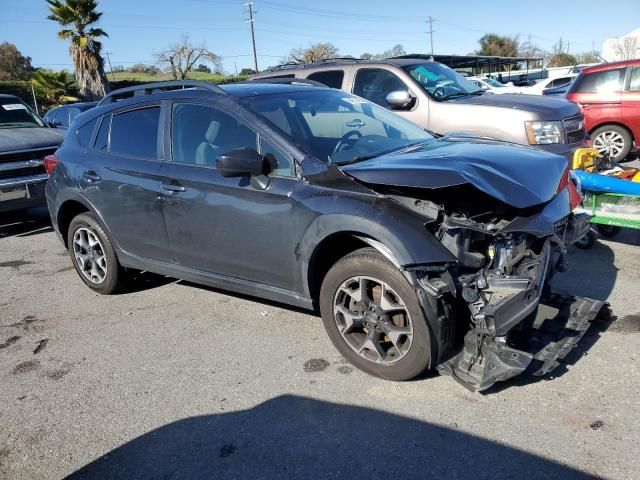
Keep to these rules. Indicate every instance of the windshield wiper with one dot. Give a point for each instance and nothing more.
(463, 94)
(391, 151)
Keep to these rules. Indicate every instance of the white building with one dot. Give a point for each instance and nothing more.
(624, 47)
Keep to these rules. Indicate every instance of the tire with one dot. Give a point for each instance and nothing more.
(608, 230)
(587, 241)
(620, 136)
(404, 358)
(89, 230)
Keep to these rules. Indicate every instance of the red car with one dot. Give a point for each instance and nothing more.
(610, 97)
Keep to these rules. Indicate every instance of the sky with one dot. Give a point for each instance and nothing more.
(139, 28)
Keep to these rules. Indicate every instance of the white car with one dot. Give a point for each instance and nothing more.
(493, 86)
(548, 83)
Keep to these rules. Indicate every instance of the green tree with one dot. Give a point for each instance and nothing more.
(203, 68)
(54, 87)
(315, 53)
(13, 65)
(496, 45)
(77, 18)
(562, 59)
(245, 72)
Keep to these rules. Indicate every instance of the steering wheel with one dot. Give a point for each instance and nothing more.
(439, 92)
(347, 141)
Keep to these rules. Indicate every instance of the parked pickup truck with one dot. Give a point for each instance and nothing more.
(441, 100)
(24, 143)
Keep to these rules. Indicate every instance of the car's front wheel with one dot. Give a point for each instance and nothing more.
(373, 317)
(612, 141)
(93, 255)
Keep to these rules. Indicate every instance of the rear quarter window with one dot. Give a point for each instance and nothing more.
(85, 132)
(600, 82)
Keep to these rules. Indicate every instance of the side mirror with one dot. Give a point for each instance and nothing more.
(242, 162)
(399, 99)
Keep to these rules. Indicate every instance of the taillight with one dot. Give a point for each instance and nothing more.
(575, 198)
(50, 163)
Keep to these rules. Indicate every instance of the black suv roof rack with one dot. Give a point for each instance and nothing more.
(327, 61)
(151, 88)
(288, 81)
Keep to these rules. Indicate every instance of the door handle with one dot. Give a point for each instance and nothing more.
(91, 176)
(173, 188)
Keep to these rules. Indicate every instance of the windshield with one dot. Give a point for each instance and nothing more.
(15, 114)
(492, 82)
(441, 82)
(335, 126)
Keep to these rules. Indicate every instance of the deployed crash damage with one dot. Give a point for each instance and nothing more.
(508, 235)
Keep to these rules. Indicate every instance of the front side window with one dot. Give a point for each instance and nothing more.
(200, 134)
(375, 84)
(330, 78)
(135, 133)
(279, 161)
(606, 81)
(441, 82)
(337, 127)
(16, 114)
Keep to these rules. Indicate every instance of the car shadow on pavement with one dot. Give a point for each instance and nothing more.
(25, 223)
(297, 437)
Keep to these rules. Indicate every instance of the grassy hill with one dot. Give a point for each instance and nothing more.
(143, 77)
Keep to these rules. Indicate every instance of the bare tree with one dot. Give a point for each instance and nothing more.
(626, 48)
(315, 53)
(181, 58)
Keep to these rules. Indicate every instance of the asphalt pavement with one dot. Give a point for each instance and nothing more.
(178, 381)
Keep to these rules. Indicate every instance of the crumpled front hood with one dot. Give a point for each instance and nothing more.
(518, 176)
(549, 108)
(12, 139)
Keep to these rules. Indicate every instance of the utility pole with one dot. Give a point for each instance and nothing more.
(430, 32)
(110, 67)
(253, 34)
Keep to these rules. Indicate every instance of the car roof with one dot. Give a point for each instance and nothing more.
(340, 62)
(610, 66)
(252, 89)
(6, 95)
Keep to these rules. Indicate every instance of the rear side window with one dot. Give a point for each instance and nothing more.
(600, 82)
(331, 78)
(634, 84)
(135, 133)
(85, 132)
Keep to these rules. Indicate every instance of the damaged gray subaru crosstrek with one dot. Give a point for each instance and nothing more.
(419, 252)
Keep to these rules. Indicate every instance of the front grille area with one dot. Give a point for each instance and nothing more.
(22, 156)
(22, 172)
(574, 129)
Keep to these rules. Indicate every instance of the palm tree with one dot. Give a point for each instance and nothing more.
(53, 87)
(76, 18)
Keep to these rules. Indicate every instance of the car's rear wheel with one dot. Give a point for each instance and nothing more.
(587, 241)
(93, 255)
(373, 317)
(612, 141)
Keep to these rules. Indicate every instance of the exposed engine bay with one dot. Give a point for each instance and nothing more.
(499, 283)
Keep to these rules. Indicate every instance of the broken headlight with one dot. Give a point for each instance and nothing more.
(544, 133)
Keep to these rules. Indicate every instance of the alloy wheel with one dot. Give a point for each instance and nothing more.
(89, 255)
(609, 143)
(373, 320)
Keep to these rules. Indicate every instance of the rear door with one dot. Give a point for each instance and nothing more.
(120, 176)
(224, 225)
(600, 94)
(631, 102)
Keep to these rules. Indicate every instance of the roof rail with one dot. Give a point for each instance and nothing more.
(288, 81)
(291, 65)
(151, 88)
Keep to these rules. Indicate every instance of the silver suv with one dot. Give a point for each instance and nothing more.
(441, 100)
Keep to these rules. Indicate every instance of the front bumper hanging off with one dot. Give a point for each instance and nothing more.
(537, 345)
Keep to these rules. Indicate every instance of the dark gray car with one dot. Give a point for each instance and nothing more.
(24, 144)
(418, 251)
(441, 100)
